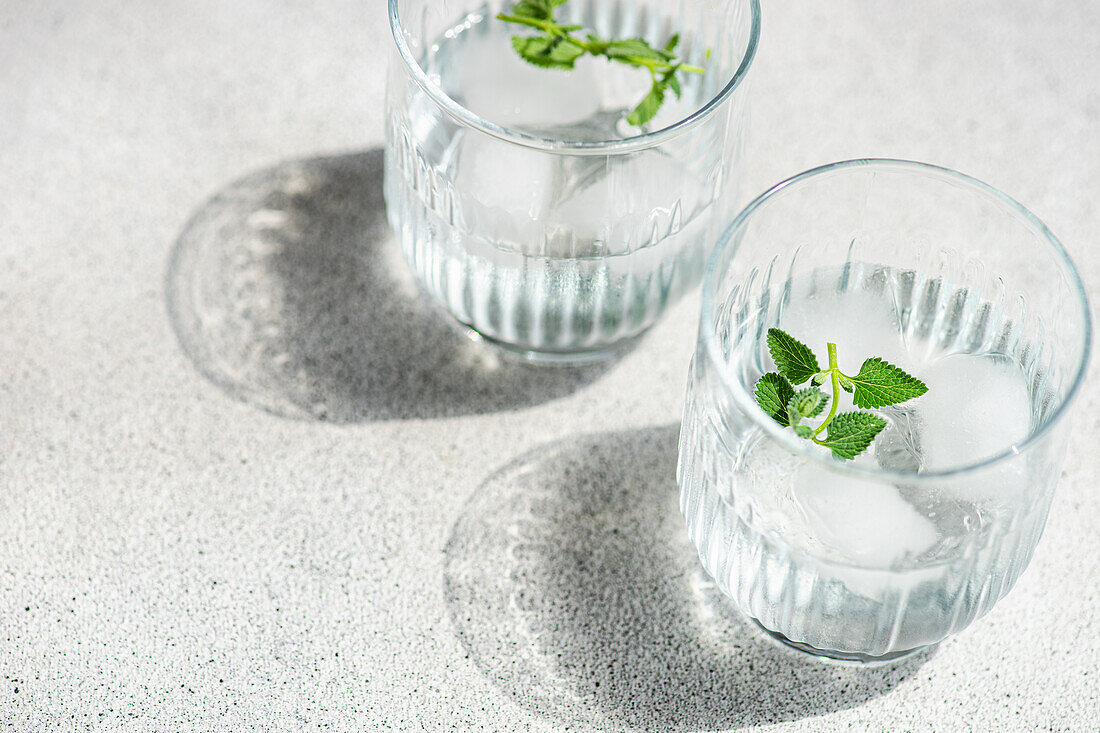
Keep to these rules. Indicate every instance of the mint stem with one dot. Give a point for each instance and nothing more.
(834, 372)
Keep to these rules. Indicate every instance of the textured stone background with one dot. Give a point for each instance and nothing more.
(249, 481)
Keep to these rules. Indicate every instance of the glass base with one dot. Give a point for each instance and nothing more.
(558, 358)
(837, 656)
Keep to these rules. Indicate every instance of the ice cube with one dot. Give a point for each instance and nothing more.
(491, 80)
(504, 191)
(861, 521)
(862, 324)
(975, 407)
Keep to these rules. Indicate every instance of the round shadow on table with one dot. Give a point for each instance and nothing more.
(571, 583)
(287, 289)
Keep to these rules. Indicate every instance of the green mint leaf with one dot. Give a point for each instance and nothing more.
(672, 81)
(880, 383)
(804, 431)
(647, 108)
(846, 384)
(793, 358)
(635, 48)
(808, 402)
(547, 52)
(773, 392)
(672, 43)
(536, 9)
(793, 416)
(851, 432)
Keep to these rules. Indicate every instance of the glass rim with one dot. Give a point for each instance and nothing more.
(747, 404)
(603, 147)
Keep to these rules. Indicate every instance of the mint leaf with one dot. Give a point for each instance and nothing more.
(793, 358)
(851, 432)
(880, 383)
(808, 402)
(672, 43)
(673, 83)
(647, 108)
(547, 52)
(537, 9)
(793, 418)
(773, 392)
(635, 48)
(803, 431)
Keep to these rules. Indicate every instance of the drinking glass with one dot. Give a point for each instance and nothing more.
(875, 558)
(525, 203)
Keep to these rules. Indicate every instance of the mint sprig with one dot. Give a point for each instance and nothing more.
(878, 384)
(557, 48)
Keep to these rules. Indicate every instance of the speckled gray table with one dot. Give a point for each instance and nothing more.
(249, 481)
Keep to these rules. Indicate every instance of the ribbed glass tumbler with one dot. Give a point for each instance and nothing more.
(524, 200)
(874, 558)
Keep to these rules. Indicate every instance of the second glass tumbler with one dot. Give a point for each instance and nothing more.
(526, 202)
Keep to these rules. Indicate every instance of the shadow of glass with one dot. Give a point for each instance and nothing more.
(571, 583)
(287, 289)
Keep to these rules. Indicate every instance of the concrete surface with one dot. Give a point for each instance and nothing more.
(249, 481)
